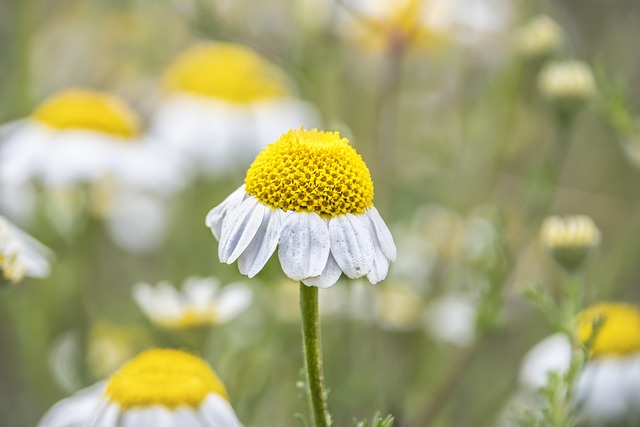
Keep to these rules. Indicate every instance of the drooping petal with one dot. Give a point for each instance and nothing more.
(351, 245)
(380, 261)
(263, 244)
(384, 235)
(107, 416)
(215, 217)
(216, 412)
(75, 410)
(184, 417)
(304, 245)
(328, 277)
(239, 229)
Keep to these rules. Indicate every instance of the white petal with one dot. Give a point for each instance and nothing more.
(351, 245)
(263, 244)
(384, 235)
(304, 245)
(328, 277)
(233, 299)
(184, 417)
(74, 411)
(200, 291)
(380, 261)
(216, 412)
(239, 229)
(600, 390)
(553, 354)
(154, 416)
(216, 216)
(107, 416)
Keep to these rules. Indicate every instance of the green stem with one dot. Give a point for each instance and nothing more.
(313, 355)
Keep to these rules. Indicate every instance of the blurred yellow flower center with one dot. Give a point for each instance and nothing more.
(169, 378)
(226, 71)
(314, 171)
(189, 318)
(88, 110)
(618, 333)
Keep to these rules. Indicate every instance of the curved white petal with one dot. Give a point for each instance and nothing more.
(216, 216)
(380, 260)
(263, 245)
(351, 245)
(304, 245)
(600, 390)
(216, 412)
(239, 229)
(233, 299)
(74, 411)
(328, 277)
(183, 417)
(107, 416)
(553, 354)
(384, 235)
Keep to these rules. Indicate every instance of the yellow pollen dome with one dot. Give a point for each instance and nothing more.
(313, 171)
(169, 378)
(618, 335)
(88, 110)
(227, 71)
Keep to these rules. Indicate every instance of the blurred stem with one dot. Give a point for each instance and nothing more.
(385, 144)
(313, 355)
(447, 388)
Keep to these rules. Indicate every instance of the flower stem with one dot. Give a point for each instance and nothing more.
(313, 355)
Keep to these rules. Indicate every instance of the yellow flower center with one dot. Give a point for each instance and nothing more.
(169, 378)
(190, 318)
(89, 110)
(618, 332)
(227, 71)
(311, 170)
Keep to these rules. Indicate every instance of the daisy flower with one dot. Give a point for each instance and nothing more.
(158, 387)
(311, 194)
(223, 104)
(81, 139)
(570, 239)
(201, 302)
(608, 387)
(21, 255)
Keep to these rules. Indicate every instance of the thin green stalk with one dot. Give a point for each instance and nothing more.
(313, 355)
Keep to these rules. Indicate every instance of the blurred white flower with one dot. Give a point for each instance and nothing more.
(223, 104)
(202, 301)
(88, 146)
(567, 81)
(21, 255)
(539, 38)
(608, 387)
(157, 387)
(451, 318)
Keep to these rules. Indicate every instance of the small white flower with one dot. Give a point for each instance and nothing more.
(567, 81)
(311, 194)
(224, 104)
(156, 388)
(202, 302)
(452, 318)
(21, 255)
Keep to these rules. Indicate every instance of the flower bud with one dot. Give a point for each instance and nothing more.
(570, 239)
(539, 38)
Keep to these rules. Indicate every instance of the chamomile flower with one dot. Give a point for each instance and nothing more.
(21, 255)
(201, 302)
(89, 141)
(157, 387)
(608, 387)
(224, 103)
(311, 194)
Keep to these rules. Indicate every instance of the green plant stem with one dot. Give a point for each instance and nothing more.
(313, 355)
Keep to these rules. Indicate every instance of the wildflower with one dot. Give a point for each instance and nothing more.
(201, 302)
(568, 84)
(158, 387)
(224, 104)
(539, 38)
(311, 194)
(21, 255)
(608, 388)
(451, 318)
(570, 239)
(83, 139)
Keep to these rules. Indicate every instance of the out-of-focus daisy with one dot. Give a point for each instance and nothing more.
(202, 302)
(311, 194)
(83, 139)
(451, 318)
(570, 239)
(158, 387)
(608, 387)
(224, 103)
(539, 38)
(21, 255)
(568, 82)
(426, 22)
